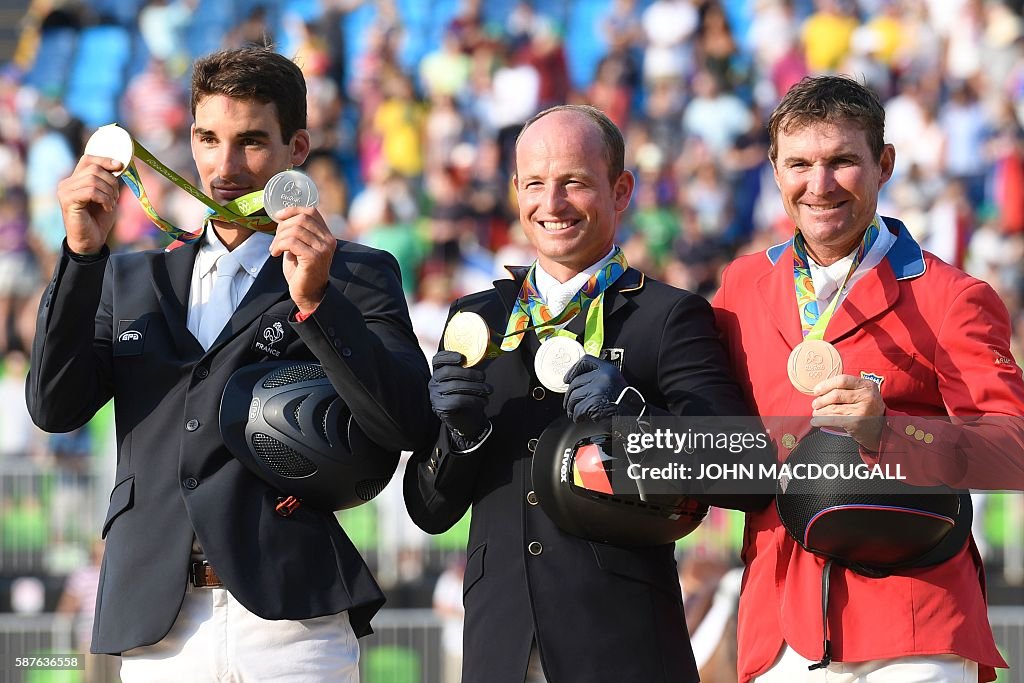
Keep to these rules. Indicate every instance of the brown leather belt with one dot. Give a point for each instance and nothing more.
(201, 575)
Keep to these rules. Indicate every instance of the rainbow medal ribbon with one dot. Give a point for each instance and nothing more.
(116, 143)
(468, 333)
(815, 359)
(559, 349)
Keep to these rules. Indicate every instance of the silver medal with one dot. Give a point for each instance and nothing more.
(289, 188)
(112, 142)
(554, 358)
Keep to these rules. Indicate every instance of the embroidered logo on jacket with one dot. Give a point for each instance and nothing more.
(272, 336)
(877, 379)
(131, 337)
(614, 356)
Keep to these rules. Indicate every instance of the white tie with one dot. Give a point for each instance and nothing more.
(221, 305)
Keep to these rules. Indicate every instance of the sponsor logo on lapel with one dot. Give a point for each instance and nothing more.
(131, 337)
(272, 336)
(615, 356)
(877, 379)
(1002, 359)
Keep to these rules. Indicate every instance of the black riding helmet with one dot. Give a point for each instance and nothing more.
(286, 423)
(573, 473)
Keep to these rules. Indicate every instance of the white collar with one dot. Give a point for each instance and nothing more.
(250, 254)
(547, 282)
(828, 278)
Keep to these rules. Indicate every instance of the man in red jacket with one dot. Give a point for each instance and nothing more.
(916, 337)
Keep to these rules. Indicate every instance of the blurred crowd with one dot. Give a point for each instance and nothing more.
(414, 154)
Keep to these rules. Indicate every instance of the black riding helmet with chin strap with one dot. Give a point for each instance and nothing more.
(285, 422)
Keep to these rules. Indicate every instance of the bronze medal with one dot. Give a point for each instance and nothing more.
(812, 361)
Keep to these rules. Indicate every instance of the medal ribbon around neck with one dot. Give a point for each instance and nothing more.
(812, 323)
(531, 313)
(238, 211)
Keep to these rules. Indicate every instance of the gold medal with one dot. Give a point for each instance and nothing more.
(554, 358)
(812, 361)
(468, 334)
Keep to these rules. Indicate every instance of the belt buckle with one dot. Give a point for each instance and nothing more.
(200, 575)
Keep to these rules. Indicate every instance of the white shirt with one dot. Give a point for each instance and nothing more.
(250, 254)
(827, 279)
(557, 295)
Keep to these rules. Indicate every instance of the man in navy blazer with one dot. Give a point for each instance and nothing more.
(192, 536)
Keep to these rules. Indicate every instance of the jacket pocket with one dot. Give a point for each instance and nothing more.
(474, 568)
(654, 566)
(121, 499)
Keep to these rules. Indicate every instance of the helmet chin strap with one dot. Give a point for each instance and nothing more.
(826, 656)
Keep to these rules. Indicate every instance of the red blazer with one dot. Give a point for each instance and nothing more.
(938, 341)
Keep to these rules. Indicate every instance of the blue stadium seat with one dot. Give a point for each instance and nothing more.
(583, 44)
(120, 12)
(99, 73)
(53, 60)
(356, 26)
(309, 10)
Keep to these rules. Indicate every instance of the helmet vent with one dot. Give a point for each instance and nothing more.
(320, 419)
(293, 374)
(280, 458)
(368, 489)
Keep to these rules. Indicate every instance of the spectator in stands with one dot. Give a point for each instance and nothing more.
(78, 600)
(448, 606)
(18, 272)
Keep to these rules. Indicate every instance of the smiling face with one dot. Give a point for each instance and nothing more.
(237, 146)
(829, 181)
(568, 206)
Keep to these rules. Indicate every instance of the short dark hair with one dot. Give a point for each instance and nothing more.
(828, 99)
(614, 145)
(256, 74)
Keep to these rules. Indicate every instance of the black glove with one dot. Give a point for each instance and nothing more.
(458, 396)
(594, 387)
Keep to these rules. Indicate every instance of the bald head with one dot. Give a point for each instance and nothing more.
(609, 134)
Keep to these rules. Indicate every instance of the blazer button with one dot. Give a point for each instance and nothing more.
(531, 445)
(538, 393)
(202, 372)
(346, 352)
(531, 498)
(191, 483)
(535, 548)
(192, 425)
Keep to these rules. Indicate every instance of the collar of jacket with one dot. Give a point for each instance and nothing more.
(905, 255)
(876, 293)
(629, 282)
(172, 277)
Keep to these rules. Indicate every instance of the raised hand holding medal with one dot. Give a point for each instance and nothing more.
(302, 238)
(113, 142)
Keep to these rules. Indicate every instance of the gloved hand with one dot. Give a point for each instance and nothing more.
(594, 387)
(458, 396)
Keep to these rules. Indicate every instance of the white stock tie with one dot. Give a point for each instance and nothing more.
(221, 305)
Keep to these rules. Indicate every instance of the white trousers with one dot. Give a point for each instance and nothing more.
(790, 667)
(217, 640)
